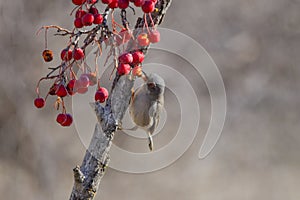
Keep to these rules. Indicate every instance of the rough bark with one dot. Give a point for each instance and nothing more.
(87, 177)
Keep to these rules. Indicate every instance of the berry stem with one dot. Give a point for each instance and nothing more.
(152, 22)
(146, 22)
(96, 64)
(64, 110)
(46, 38)
(113, 23)
(79, 7)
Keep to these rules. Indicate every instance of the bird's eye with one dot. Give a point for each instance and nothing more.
(151, 85)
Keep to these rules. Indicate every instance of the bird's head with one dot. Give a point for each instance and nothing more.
(155, 84)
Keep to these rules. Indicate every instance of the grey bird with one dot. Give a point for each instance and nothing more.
(146, 104)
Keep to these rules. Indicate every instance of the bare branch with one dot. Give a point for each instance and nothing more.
(88, 176)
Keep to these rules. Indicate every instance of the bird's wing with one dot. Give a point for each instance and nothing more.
(132, 95)
(154, 114)
(138, 108)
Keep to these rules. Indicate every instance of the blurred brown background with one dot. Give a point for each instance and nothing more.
(255, 44)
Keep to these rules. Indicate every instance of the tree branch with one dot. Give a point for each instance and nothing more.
(87, 177)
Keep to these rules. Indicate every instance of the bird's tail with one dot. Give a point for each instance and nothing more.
(150, 139)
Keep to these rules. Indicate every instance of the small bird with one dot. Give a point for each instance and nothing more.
(146, 104)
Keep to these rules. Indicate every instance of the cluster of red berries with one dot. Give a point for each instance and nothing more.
(80, 2)
(147, 6)
(128, 60)
(144, 39)
(87, 17)
(71, 88)
(67, 54)
(66, 82)
(92, 15)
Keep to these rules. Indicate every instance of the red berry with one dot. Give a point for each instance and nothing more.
(71, 83)
(148, 7)
(101, 95)
(47, 55)
(80, 13)
(143, 39)
(39, 102)
(139, 3)
(123, 69)
(123, 4)
(87, 19)
(82, 90)
(93, 10)
(81, 85)
(78, 54)
(126, 58)
(83, 81)
(78, 23)
(106, 1)
(68, 121)
(138, 57)
(154, 36)
(98, 19)
(92, 77)
(125, 34)
(113, 4)
(123, 37)
(53, 89)
(70, 87)
(66, 54)
(91, 1)
(61, 91)
(119, 40)
(137, 71)
(61, 118)
(78, 2)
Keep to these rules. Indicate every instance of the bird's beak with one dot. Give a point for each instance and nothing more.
(144, 76)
